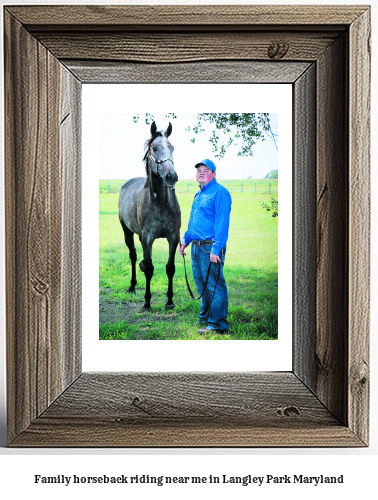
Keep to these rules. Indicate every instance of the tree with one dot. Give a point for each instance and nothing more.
(242, 129)
(273, 174)
(149, 118)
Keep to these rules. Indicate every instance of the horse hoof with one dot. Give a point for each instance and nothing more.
(169, 307)
(146, 308)
(131, 290)
(141, 265)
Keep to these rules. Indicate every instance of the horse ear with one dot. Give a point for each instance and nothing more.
(169, 130)
(153, 128)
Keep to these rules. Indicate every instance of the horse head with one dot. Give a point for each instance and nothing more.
(159, 155)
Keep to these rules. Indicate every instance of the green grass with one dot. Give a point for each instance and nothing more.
(251, 274)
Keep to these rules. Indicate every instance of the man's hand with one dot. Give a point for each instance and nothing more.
(181, 248)
(214, 258)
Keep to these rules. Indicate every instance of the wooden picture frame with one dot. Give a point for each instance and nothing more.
(324, 52)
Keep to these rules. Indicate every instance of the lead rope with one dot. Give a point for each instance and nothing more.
(186, 276)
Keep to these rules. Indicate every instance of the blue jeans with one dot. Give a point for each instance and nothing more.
(216, 320)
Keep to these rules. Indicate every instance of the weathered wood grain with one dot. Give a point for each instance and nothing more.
(216, 396)
(32, 315)
(71, 192)
(100, 432)
(359, 226)
(184, 16)
(331, 344)
(223, 409)
(199, 72)
(304, 227)
(180, 47)
(36, 248)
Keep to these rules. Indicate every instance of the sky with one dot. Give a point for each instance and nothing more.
(122, 148)
(116, 144)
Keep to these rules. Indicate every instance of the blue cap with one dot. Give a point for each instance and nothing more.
(208, 164)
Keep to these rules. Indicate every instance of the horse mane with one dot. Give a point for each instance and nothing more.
(147, 147)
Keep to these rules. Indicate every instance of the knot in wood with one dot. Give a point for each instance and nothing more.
(362, 375)
(141, 405)
(41, 287)
(277, 50)
(288, 411)
(136, 400)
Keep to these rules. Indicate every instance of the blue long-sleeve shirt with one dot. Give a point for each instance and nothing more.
(210, 216)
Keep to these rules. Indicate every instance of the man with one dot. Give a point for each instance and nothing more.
(208, 233)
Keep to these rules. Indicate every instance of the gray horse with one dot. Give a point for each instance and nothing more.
(147, 208)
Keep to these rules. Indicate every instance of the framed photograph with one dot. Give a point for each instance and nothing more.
(114, 135)
(323, 52)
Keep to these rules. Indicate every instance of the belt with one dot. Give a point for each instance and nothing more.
(199, 243)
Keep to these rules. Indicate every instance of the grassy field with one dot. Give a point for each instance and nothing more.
(251, 273)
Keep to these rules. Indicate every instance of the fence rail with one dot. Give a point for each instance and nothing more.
(234, 186)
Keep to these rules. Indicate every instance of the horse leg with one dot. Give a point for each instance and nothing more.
(170, 270)
(129, 240)
(148, 268)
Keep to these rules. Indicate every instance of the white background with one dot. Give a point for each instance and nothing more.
(359, 466)
(150, 356)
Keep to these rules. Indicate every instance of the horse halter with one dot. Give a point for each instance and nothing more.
(158, 162)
